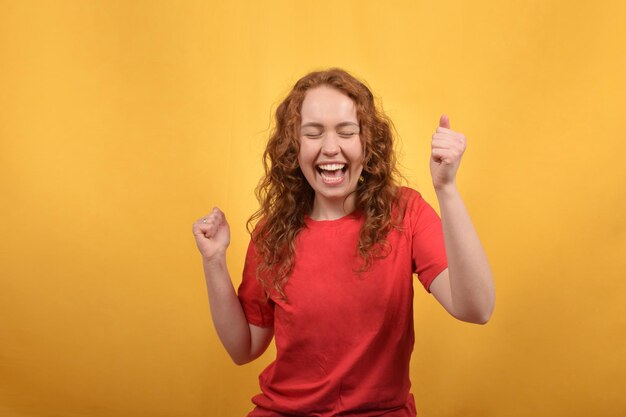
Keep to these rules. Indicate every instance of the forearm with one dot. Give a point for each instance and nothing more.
(228, 317)
(471, 280)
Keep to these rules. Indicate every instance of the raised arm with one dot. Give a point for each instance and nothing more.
(243, 341)
(466, 289)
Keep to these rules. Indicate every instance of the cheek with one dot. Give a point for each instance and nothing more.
(358, 153)
(302, 156)
(308, 151)
(301, 152)
(305, 160)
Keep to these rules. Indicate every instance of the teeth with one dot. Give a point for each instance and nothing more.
(332, 180)
(332, 167)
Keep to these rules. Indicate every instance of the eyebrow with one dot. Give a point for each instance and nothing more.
(315, 124)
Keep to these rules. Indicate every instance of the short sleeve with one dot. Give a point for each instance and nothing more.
(427, 243)
(257, 309)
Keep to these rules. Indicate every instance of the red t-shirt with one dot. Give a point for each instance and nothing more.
(344, 341)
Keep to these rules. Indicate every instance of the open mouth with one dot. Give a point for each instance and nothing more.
(332, 173)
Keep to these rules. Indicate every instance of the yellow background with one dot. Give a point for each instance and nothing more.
(123, 122)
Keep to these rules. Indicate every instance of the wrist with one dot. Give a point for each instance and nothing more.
(216, 261)
(446, 191)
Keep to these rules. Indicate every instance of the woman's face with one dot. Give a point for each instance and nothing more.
(331, 154)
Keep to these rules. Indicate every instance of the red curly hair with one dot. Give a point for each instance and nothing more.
(285, 196)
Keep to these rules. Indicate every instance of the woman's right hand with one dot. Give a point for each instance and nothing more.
(212, 235)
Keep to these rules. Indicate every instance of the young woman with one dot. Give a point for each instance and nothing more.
(330, 263)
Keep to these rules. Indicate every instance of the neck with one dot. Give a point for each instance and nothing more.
(324, 209)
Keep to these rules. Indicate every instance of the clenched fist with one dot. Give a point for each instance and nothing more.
(212, 235)
(447, 149)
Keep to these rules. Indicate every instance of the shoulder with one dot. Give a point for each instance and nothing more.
(415, 213)
(258, 233)
(410, 200)
(409, 193)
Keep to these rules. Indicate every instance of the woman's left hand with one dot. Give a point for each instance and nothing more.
(447, 150)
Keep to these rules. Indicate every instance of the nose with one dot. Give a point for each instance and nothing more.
(330, 144)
